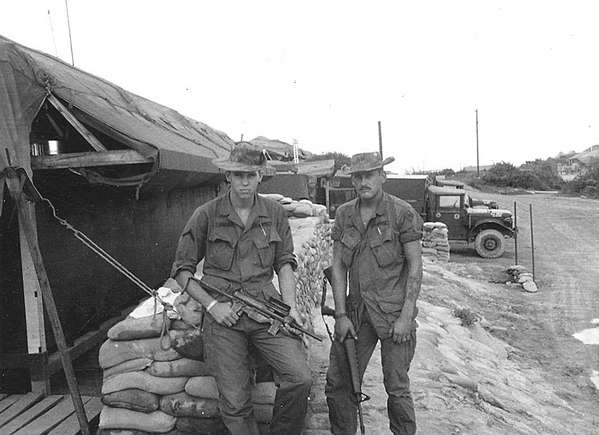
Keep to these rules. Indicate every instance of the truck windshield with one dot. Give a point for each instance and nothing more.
(449, 202)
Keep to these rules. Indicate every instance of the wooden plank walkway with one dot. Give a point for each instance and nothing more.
(34, 414)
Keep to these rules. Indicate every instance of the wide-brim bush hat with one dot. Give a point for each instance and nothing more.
(244, 157)
(366, 162)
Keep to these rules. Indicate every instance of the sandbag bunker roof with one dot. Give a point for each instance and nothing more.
(116, 127)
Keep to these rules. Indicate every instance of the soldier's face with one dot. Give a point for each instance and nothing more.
(369, 184)
(244, 184)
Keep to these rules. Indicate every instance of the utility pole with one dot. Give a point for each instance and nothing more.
(477, 157)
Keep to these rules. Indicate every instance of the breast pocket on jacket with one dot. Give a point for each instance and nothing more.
(221, 248)
(385, 247)
(265, 242)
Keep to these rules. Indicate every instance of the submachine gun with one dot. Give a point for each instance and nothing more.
(349, 352)
(274, 311)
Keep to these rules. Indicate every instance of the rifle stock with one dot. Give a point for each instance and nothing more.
(273, 311)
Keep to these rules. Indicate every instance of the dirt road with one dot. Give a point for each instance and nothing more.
(565, 233)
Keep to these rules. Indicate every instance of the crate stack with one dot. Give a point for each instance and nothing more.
(435, 241)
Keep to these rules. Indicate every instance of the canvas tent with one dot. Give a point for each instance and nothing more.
(126, 170)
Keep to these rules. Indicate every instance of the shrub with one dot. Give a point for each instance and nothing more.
(586, 183)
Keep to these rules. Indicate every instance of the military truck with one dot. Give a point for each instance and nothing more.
(477, 222)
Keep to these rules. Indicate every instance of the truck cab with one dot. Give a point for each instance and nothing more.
(484, 226)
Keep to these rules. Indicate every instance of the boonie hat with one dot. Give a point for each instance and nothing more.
(365, 162)
(244, 157)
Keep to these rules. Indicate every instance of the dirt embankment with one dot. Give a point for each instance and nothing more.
(516, 369)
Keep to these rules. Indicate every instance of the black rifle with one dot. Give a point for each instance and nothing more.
(274, 311)
(348, 354)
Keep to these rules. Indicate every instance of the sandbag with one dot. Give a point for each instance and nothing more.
(189, 343)
(134, 329)
(144, 381)
(174, 431)
(181, 367)
(134, 399)
(119, 418)
(201, 426)
(133, 365)
(263, 412)
(202, 386)
(264, 393)
(114, 352)
(303, 210)
(190, 310)
(274, 196)
(184, 405)
(125, 432)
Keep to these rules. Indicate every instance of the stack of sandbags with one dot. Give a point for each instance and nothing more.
(155, 379)
(521, 275)
(313, 249)
(435, 241)
(299, 209)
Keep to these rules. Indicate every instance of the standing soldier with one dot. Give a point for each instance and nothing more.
(377, 242)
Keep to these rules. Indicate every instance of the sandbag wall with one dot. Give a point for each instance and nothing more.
(299, 209)
(435, 242)
(155, 381)
(314, 251)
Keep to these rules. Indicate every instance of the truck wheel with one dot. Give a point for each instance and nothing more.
(489, 244)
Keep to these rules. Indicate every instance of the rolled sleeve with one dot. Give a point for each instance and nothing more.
(410, 226)
(191, 248)
(284, 251)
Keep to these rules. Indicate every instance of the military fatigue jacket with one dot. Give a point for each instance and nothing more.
(242, 256)
(374, 257)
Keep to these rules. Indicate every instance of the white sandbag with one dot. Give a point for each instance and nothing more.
(181, 367)
(114, 352)
(133, 365)
(202, 386)
(132, 328)
(144, 381)
(119, 418)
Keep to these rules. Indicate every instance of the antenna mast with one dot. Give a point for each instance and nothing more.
(66, 2)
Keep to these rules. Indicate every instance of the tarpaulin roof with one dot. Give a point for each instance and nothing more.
(171, 140)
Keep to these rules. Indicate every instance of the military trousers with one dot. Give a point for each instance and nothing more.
(396, 359)
(227, 351)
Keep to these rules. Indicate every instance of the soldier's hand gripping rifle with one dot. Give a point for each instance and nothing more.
(348, 354)
(274, 311)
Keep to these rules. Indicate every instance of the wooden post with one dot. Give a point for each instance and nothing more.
(34, 309)
(532, 244)
(15, 189)
(477, 156)
(515, 235)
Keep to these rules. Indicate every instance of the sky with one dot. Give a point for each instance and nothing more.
(326, 73)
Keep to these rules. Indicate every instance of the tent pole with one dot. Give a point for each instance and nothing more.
(14, 187)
